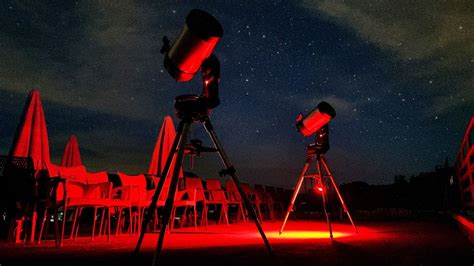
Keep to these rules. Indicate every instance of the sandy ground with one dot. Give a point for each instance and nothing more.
(429, 242)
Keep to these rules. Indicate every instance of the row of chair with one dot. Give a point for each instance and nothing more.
(124, 199)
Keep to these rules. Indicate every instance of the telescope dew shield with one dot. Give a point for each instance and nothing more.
(317, 118)
(197, 40)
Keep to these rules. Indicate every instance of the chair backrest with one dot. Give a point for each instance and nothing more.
(271, 190)
(232, 190)
(249, 192)
(151, 181)
(77, 174)
(98, 190)
(98, 185)
(165, 189)
(97, 177)
(195, 183)
(247, 189)
(134, 185)
(75, 179)
(259, 192)
(215, 189)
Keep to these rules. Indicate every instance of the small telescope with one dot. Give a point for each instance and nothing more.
(317, 122)
(316, 119)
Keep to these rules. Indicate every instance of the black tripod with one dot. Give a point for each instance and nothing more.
(315, 151)
(190, 109)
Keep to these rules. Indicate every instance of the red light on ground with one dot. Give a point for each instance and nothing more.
(307, 234)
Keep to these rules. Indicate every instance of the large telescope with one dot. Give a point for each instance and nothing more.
(192, 50)
(194, 45)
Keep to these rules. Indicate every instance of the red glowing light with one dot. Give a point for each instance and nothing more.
(320, 189)
(307, 234)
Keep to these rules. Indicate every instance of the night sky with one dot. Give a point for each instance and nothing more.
(400, 75)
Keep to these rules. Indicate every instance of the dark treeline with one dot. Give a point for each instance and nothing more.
(427, 192)
(430, 191)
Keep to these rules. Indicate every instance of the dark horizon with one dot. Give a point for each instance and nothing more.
(401, 84)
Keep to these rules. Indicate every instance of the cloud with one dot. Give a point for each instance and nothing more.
(437, 37)
(417, 31)
(344, 108)
(101, 56)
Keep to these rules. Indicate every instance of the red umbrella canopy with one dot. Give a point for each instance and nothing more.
(162, 148)
(31, 137)
(71, 155)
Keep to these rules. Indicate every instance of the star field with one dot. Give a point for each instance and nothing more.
(399, 75)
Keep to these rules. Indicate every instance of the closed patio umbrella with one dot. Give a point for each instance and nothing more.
(31, 140)
(71, 155)
(162, 148)
(31, 137)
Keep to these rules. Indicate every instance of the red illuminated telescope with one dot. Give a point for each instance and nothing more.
(316, 119)
(194, 45)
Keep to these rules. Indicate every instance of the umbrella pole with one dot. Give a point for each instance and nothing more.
(230, 170)
(159, 188)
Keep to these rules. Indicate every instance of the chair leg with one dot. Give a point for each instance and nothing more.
(130, 224)
(45, 214)
(155, 224)
(195, 217)
(74, 223)
(272, 211)
(34, 219)
(221, 213)
(94, 218)
(108, 224)
(244, 217)
(141, 210)
(101, 224)
(184, 217)
(134, 222)
(173, 216)
(56, 227)
(226, 213)
(19, 228)
(204, 215)
(63, 226)
(119, 220)
(78, 224)
(259, 212)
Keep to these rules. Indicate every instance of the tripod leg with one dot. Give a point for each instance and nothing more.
(295, 194)
(172, 189)
(328, 171)
(231, 172)
(159, 188)
(328, 218)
